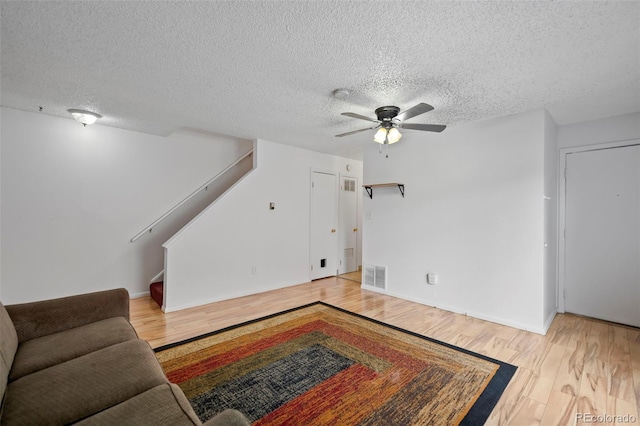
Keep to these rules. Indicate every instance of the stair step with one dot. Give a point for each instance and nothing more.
(156, 290)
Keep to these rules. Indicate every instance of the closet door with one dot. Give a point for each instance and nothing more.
(348, 231)
(602, 234)
(324, 225)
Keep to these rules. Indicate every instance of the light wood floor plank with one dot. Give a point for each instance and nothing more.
(546, 372)
(560, 410)
(581, 366)
(528, 412)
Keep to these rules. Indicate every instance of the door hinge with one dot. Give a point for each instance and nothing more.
(313, 184)
(565, 173)
(312, 267)
(564, 293)
(564, 233)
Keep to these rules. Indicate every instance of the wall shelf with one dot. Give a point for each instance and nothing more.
(369, 188)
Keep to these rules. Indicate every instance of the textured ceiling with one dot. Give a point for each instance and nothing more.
(254, 69)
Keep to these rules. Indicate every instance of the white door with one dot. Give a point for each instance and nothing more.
(348, 230)
(602, 227)
(324, 225)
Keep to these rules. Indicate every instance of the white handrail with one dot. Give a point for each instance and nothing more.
(177, 206)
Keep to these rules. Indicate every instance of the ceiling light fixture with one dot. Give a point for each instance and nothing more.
(387, 134)
(84, 117)
(341, 93)
(381, 135)
(393, 135)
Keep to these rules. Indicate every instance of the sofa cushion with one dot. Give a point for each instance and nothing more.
(228, 417)
(162, 405)
(83, 386)
(8, 347)
(42, 352)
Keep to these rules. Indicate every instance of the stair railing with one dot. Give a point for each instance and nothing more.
(149, 228)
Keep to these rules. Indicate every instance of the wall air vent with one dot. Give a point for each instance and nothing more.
(375, 276)
(349, 185)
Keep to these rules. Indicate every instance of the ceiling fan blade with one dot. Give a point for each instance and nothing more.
(421, 108)
(427, 127)
(355, 131)
(361, 117)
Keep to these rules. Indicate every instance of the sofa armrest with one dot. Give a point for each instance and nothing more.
(38, 319)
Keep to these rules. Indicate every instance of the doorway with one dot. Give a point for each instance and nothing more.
(600, 253)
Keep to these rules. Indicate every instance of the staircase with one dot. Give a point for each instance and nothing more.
(191, 206)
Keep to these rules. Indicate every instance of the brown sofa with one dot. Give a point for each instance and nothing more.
(78, 360)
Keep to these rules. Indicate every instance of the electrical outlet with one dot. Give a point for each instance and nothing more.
(432, 278)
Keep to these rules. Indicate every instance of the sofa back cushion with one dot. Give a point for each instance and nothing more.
(8, 347)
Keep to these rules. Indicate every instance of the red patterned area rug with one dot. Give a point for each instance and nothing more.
(322, 365)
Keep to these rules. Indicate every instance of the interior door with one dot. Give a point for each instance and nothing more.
(348, 231)
(602, 234)
(324, 225)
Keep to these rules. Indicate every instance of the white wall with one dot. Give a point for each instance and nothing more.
(73, 197)
(473, 214)
(612, 129)
(550, 220)
(214, 258)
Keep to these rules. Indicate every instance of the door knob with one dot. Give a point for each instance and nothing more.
(355, 229)
(333, 230)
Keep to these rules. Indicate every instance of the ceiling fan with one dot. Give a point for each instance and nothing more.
(390, 119)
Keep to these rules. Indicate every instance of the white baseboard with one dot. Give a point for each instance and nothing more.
(139, 295)
(497, 320)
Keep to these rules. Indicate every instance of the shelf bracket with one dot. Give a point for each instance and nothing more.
(369, 191)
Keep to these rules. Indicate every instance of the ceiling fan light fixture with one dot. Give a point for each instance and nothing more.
(393, 135)
(84, 117)
(381, 135)
(390, 120)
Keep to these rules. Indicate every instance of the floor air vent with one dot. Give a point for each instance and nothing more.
(375, 276)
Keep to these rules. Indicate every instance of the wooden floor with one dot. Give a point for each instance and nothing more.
(582, 366)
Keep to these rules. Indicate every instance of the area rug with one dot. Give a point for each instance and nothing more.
(322, 365)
